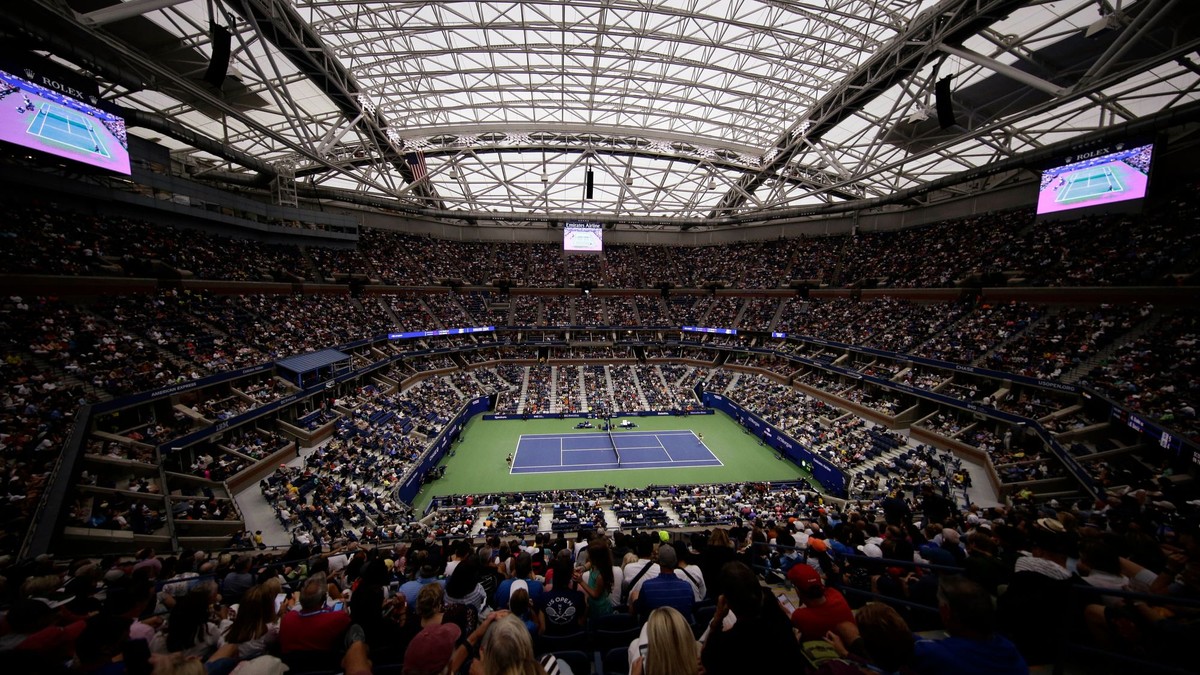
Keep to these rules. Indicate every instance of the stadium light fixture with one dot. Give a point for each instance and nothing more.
(919, 114)
(1103, 24)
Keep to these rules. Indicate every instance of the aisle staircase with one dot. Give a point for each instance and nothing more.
(66, 379)
(387, 309)
(524, 390)
(583, 399)
(981, 360)
(1102, 356)
(637, 385)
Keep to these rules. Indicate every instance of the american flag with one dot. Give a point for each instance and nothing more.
(416, 162)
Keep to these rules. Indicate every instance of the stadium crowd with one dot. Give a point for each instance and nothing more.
(1108, 250)
(60, 355)
(906, 582)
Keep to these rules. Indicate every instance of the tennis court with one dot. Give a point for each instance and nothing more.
(65, 127)
(551, 453)
(1091, 182)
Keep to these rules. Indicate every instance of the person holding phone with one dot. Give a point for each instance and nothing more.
(666, 646)
(822, 608)
(748, 620)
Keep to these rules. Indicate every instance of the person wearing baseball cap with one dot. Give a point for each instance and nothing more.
(821, 608)
(430, 650)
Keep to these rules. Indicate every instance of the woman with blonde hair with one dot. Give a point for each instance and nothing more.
(177, 664)
(507, 649)
(666, 647)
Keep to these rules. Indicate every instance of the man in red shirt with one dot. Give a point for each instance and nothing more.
(315, 628)
(822, 608)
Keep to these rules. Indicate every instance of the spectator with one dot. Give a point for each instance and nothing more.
(822, 609)
(466, 602)
(760, 627)
(522, 608)
(102, 645)
(692, 574)
(313, 634)
(1035, 608)
(599, 581)
(431, 605)
(255, 629)
(936, 507)
(973, 645)
(564, 609)
(878, 641)
(377, 614)
(664, 590)
(523, 570)
(35, 640)
(507, 649)
(190, 629)
(667, 646)
(431, 649)
(237, 582)
(717, 552)
(982, 565)
(425, 575)
(635, 571)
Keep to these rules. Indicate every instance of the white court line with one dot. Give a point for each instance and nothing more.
(582, 432)
(640, 447)
(697, 463)
(611, 467)
(39, 116)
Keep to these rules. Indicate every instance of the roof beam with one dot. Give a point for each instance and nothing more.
(125, 10)
(1004, 69)
(281, 26)
(950, 22)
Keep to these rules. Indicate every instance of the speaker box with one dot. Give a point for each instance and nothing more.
(218, 66)
(587, 184)
(945, 106)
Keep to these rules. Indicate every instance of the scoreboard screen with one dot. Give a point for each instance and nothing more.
(55, 112)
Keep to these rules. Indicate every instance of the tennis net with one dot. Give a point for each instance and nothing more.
(616, 452)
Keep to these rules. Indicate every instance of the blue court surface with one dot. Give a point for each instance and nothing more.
(551, 453)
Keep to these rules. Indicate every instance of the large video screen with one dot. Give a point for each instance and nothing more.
(577, 237)
(1102, 180)
(41, 118)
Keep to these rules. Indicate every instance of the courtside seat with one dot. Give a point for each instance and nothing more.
(616, 661)
(576, 641)
(580, 662)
